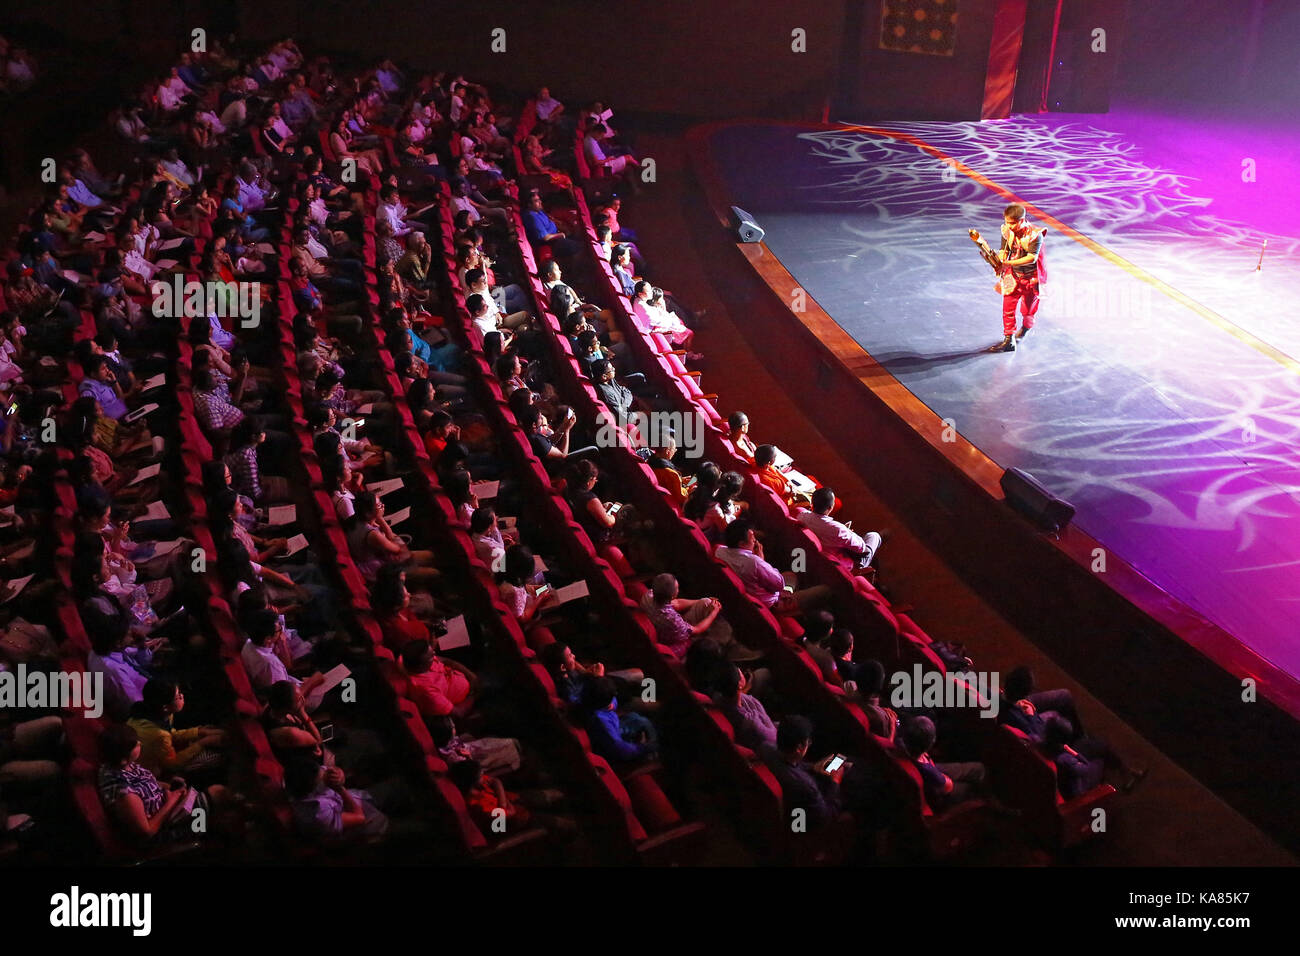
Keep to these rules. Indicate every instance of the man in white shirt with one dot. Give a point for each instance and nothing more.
(489, 542)
(275, 123)
(251, 194)
(392, 210)
(481, 315)
(78, 191)
(774, 589)
(174, 165)
(476, 283)
(265, 652)
(548, 108)
(837, 538)
(171, 92)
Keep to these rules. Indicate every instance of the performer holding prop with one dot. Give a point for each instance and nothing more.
(1019, 267)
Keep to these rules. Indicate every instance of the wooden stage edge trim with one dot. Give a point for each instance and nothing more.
(968, 462)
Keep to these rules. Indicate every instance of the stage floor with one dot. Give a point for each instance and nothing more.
(1160, 391)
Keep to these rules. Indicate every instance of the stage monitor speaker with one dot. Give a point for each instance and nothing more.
(1026, 495)
(746, 229)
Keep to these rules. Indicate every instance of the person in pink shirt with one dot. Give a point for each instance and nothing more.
(438, 687)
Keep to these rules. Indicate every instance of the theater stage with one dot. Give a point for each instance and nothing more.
(1160, 392)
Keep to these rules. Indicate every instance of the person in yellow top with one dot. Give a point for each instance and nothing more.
(151, 719)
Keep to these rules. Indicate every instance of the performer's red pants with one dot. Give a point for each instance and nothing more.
(1026, 294)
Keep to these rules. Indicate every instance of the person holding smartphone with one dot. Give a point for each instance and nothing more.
(803, 787)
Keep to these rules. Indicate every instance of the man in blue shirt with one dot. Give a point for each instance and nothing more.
(101, 385)
(542, 229)
(618, 738)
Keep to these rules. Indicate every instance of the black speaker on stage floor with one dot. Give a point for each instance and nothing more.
(1026, 495)
(746, 229)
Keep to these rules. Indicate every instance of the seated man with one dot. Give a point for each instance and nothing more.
(678, 621)
(619, 738)
(625, 166)
(754, 728)
(661, 463)
(551, 446)
(770, 475)
(101, 385)
(836, 538)
(323, 807)
(541, 229)
(947, 784)
(744, 555)
(1028, 712)
(1081, 762)
(266, 655)
(802, 787)
(476, 283)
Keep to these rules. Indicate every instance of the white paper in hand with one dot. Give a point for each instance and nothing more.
(295, 544)
(147, 472)
(397, 517)
(282, 514)
(166, 547)
(140, 412)
(572, 592)
(484, 490)
(457, 635)
(385, 487)
(15, 587)
(157, 511)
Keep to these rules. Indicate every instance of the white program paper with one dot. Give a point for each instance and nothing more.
(457, 635)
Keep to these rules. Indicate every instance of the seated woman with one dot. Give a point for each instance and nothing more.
(738, 434)
(289, 727)
(457, 487)
(96, 571)
(373, 543)
(246, 468)
(535, 155)
(700, 490)
(439, 686)
(724, 507)
(649, 306)
(145, 808)
(517, 589)
(400, 620)
(232, 207)
(343, 145)
(602, 520)
(201, 748)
